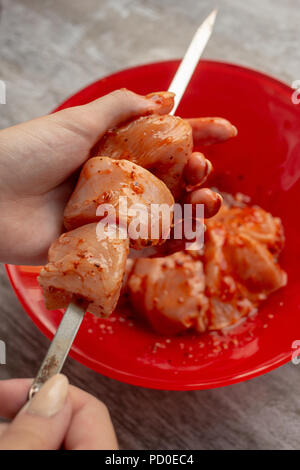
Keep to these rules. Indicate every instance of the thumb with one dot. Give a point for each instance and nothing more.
(92, 120)
(43, 422)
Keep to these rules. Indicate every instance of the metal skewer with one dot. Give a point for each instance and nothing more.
(191, 58)
(71, 321)
(60, 346)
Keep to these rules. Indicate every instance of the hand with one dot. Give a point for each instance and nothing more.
(37, 164)
(59, 415)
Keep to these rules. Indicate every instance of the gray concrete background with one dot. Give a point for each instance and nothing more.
(48, 50)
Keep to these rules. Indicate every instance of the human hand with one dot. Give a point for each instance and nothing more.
(58, 416)
(37, 164)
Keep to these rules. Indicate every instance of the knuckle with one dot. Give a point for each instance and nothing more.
(122, 93)
(119, 92)
(101, 406)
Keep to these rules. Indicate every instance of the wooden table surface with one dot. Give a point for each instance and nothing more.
(50, 49)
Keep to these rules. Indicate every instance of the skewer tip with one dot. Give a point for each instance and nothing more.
(212, 17)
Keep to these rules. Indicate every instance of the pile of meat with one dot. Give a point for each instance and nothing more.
(237, 269)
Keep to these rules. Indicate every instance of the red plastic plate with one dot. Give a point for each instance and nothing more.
(263, 162)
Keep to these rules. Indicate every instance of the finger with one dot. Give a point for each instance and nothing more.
(212, 201)
(211, 130)
(196, 170)
(95, 118)
(164, 101)
(43, 422)
(13, 395)
(91, 427)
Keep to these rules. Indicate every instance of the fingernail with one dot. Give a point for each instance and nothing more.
(160, 96)
(51, 398)
(209, 167)
(234, 131)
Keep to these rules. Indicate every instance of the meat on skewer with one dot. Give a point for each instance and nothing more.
(104, 181)
(83, 269)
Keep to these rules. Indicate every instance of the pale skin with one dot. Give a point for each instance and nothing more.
(37, 164)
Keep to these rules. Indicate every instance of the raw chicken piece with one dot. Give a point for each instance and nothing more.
(161, 144)
(228, 299)
(240, 258)
(169, 292)
(253, 264)
(239, 270)
(83, 269)
(103, 181)
(252, 221)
